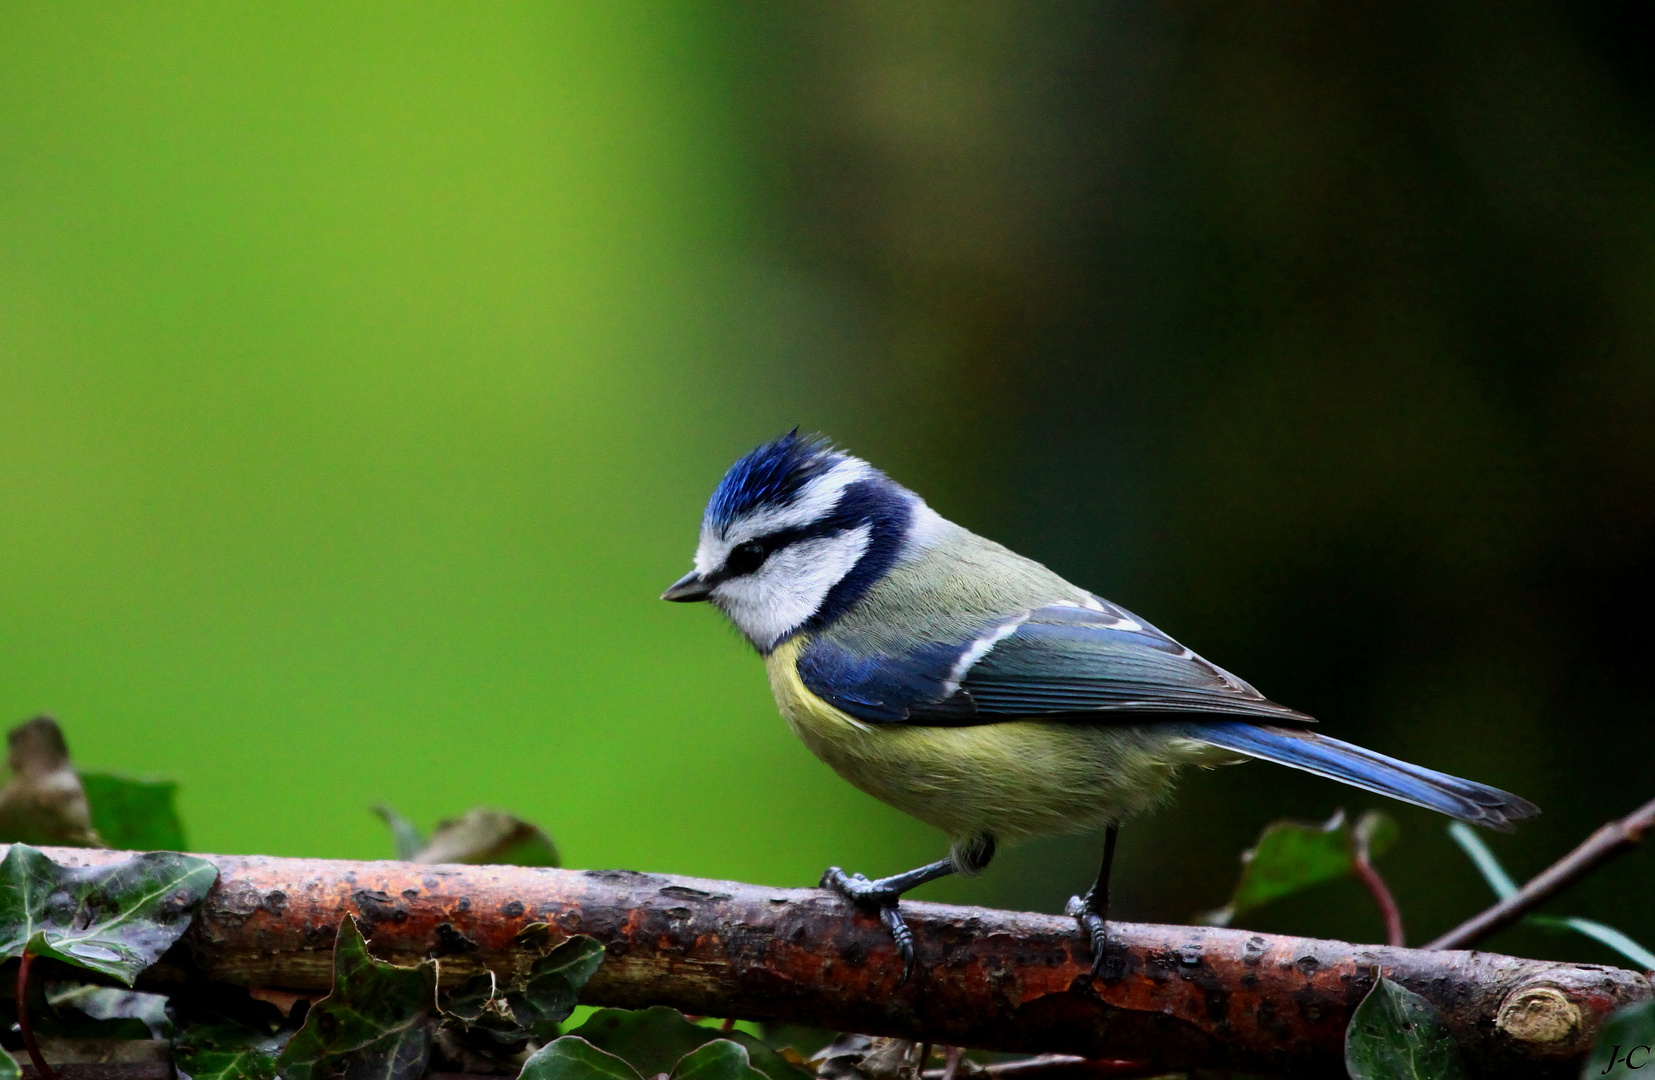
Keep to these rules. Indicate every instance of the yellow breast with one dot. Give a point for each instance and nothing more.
(1010, 780)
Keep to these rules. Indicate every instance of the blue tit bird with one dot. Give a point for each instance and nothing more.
(977, 690)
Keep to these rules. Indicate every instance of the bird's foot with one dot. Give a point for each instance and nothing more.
(882, 897)
(1094, 926)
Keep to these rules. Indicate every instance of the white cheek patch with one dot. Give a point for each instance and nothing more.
(791, 585)
(814, 502)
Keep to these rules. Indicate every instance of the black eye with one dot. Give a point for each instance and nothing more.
(745, 558)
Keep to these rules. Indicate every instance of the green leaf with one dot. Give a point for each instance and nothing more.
(1597, 931)
(1623, 1049)
(226, 1051)
(134, 815)
(108, 1003)
(553, 987)
(224, 1033)
(721, 1059)
(116, 919)
(404, 833)
(653, 1040)
(1294, 855)
(1397, 1035)
(373, 1024)
(531, 1006)
(488, 838)
(573, 1058)
(1505, 888)
(1484, 860)
(9, 1069)
(479, 998)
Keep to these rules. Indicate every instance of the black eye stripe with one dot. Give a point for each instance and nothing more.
(736, 565)
(745, 558)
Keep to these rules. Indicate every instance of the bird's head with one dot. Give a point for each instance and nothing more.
(795, 533)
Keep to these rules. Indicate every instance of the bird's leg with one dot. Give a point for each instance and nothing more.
(882, 894)
(1092, 910)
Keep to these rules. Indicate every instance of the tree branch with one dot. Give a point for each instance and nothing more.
(1175, 995)
(1615, 838)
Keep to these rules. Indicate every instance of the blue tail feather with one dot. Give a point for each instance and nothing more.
(1359, 767)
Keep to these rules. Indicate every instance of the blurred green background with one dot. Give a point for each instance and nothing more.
(363, 371)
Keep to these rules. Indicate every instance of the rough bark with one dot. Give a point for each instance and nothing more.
(1178, 995)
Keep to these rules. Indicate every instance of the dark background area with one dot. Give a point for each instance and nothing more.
(1320, 335)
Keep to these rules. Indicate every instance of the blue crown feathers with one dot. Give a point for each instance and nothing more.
(770, 475)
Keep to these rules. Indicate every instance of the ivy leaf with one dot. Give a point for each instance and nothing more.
(134, 815)
(531, 1006)
(721, 1059)
(1294, 855)
(553, 987)
(1623, 1048)
(9, 1069)
(1397, 1035)
(226, 1051)
(475, 1001)
(373, 1024)
(70, 1023)
(43, 802)
(573, 1058)
(489, 1019)
(653, 1040)
(115, 919)
(107, 1003)
(224, 1033)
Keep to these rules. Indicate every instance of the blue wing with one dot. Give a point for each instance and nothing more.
(1058, 662)
(1063, 661)
(886, 688)
(1102, 665)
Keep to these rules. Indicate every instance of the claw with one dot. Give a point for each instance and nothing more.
(881, 898)
(904, 938)
(858, 889)
(1096, 929)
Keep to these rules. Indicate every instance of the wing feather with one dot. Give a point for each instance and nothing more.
(1097, 664)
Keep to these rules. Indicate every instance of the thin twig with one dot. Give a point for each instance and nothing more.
(950, 1063)
(1058, 1066)
(1615, 838)
(1382, 897)
(25, 1023)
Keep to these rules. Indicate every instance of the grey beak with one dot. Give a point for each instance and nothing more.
(688, 589)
